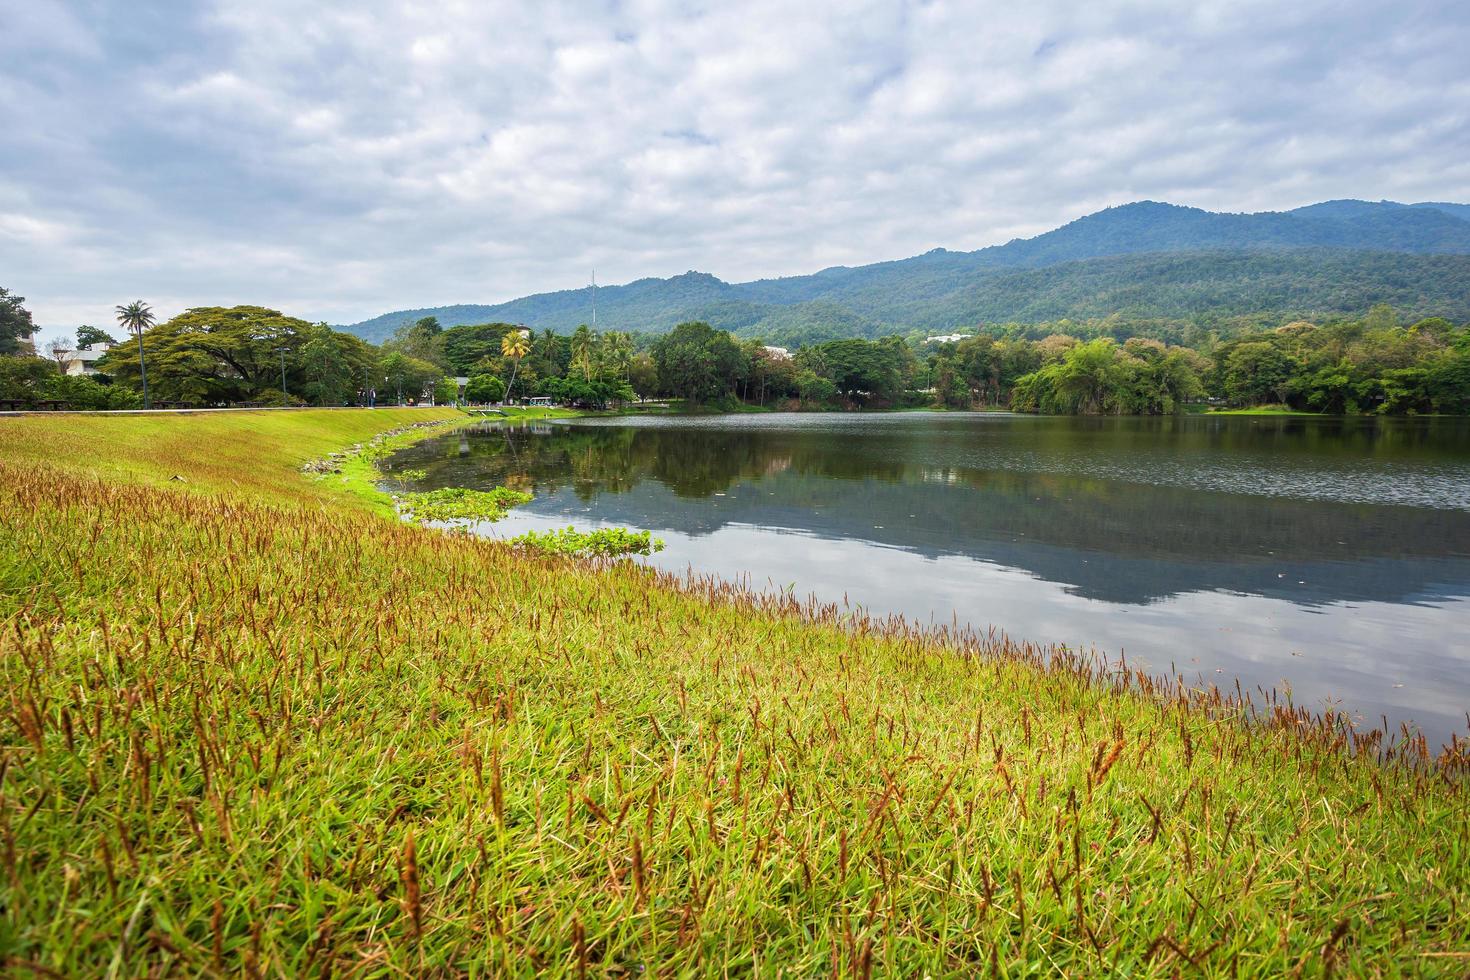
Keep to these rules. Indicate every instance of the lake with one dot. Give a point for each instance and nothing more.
(1325, 557)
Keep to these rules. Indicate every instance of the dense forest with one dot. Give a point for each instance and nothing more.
(1143, 260)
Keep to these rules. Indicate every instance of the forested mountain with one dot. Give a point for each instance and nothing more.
(1143, 259)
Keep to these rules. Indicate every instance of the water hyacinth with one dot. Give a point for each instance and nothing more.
(603, 542)
(253, 727)
(461, 504)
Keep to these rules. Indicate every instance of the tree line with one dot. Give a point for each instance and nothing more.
(254, 355)
(211, 356)
(1369, 364)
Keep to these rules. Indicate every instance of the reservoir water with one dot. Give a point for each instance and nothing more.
(1327, 558)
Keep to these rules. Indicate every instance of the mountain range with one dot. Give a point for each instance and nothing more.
(1145, 260)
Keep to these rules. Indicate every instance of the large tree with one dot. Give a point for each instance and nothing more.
(861, 370)
(617, 352)
(408, 377)
(484, 389)
(698, 362)
(15, 324)
(336, 365)
(25, 378)
(550, 355)
(214, 354)
(1257, 372)
(466, 347)
(89, 337)
(422, 339)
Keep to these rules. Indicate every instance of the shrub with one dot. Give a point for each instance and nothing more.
(484, 388)
(88, 395)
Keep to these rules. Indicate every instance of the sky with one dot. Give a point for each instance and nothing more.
(345, 158)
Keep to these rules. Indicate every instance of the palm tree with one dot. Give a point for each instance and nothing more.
(135, 318)
(514, 344)
(583, 344)
(618, 352)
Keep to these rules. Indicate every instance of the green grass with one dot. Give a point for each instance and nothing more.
(254, 728)
(514, 413)
(253, 454)
(1262, 410)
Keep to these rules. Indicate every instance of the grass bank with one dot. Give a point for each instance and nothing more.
(255, 456)
(1264, 410)
(254, 728)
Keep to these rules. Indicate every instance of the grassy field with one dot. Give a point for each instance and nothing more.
(255, 728)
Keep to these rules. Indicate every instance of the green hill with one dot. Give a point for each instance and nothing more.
(1145, 259)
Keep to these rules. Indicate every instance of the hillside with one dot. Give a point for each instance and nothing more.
(1146, 259)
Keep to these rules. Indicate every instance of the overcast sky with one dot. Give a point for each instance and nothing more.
(338, 159)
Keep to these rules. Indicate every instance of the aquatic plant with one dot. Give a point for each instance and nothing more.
(603, 542)
(252, 728)
(461, 504)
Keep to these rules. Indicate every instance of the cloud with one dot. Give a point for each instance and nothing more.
(348, 157)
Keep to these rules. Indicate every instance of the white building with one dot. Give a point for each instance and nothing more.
(84, 362)
(949, 338)
(778, 353)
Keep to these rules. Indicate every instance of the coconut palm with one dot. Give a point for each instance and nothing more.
(617, 352)
(583, 345)
(514, 344)
(136, 317)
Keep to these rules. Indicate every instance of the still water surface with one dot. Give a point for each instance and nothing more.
(1327, 557)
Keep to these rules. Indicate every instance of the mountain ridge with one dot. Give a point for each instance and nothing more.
(922, 292)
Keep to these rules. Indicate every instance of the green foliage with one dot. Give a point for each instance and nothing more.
(863, 371)
(276, 398)
(466, 347)
(421, 340)
(603, 542)
(597, 394)
(813, 388)
(210, 355)
(15, 323)
(462, 504)
(25, 377)
(446, 391)
(1113, 365)
(484, 388)
(89, 337)
(335, 365)
(1101, 378)
(214, 355)
(698, 363)
(1348, 366)
(1256, 373)
(643, 375)
(88, 395)
(408, 377)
